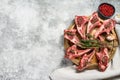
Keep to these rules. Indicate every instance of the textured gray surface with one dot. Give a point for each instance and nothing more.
(31, 35)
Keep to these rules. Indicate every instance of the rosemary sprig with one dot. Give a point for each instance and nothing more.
(89, 43)
(93, 44)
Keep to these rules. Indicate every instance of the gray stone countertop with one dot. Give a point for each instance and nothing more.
(31, 35)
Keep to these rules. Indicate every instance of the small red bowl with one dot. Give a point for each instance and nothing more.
(106, 11)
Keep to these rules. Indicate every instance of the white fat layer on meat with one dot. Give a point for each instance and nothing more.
(110, 37)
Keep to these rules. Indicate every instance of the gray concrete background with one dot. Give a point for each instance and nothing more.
(31, 35)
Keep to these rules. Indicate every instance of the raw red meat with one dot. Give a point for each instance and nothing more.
(72, 52)
(80, 22)
(84, 62)
(103, 57)
(84, 25)
(93, 22)
(71, 36)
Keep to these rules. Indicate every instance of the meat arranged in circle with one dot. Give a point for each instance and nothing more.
(88, 39)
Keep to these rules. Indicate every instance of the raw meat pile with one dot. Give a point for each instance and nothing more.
(90, 37)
